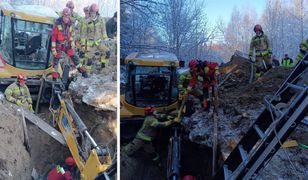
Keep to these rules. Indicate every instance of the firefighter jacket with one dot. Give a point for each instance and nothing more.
(93, 32)
(61, 36)
(261, 45)
(207, 76)
(287, 62)
(15, 92)
(149, 127)
(183, 82)
(303, 48)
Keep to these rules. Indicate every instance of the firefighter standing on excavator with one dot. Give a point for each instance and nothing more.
(147, 133)
(92, 37)
(263, 51)
(62, 41)
(18, 93)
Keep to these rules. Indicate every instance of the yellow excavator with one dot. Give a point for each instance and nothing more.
(25, 48)
(151, 80)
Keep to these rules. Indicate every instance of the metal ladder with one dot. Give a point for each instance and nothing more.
(282, 114)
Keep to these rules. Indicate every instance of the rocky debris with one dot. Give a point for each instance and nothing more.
(99, 90)
(240, 105)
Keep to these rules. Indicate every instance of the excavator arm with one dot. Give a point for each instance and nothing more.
(92, 160)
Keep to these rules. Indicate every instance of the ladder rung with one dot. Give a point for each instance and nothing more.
(227, 173)
(244, 154)
(259, 131)
(296, 87)
(272, 108)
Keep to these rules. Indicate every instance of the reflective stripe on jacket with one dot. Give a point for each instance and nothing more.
(149, 127)
(15, 92)
(286, 62)
(261, 45)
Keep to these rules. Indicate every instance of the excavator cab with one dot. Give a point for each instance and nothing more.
(151, 80)
(25, 46)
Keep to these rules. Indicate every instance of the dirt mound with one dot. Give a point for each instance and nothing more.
(14, 158)
(240, 105)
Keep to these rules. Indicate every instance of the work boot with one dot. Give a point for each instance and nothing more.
(83, 72)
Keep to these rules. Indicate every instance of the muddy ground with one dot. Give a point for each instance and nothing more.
(240, 105)
(46, 153)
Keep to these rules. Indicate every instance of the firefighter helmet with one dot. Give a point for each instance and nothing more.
(94, 8)
(21, 79)
(257, 27)
(66, 12)
(70, 4)
(149, 110)
(70, 161)
(193, 64)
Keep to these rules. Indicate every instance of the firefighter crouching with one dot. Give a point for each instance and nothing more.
(147, 133)
(18, 93)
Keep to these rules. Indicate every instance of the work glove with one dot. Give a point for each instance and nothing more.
(54, 52)
(19, 102)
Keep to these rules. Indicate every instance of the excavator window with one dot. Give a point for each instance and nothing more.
(30, 44)
(6, 40)
(149, 85)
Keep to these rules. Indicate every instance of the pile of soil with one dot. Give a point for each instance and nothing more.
(240, 105)
(15, 161)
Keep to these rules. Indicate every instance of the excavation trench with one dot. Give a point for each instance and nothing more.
(196, 160)
(46, 153)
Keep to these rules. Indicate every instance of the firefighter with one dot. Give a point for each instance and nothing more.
(92, 38)
(18, 93)
(185, 85)
(62, 41)
(211, 72)
(260, 43)
(147, 133)
(303, 48)
(75, 18)
(206, 73)
(63, 172)
(287, 62)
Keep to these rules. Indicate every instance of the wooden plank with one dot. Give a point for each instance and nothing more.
(26, 137)
(44, 126)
